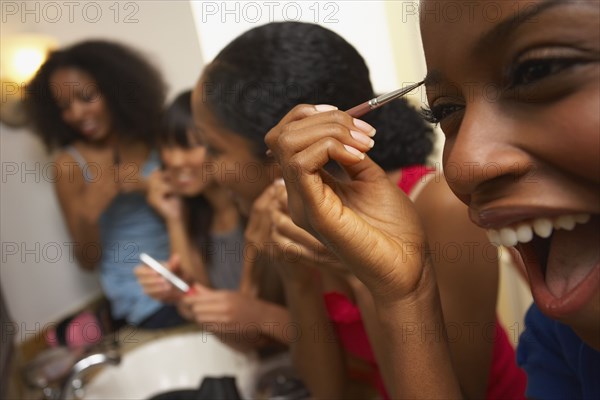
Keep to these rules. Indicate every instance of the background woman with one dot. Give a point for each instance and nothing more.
(100, 103)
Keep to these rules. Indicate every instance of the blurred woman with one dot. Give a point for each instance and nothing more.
(100, 103)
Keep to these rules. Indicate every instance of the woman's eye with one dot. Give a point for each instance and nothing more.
(211, 151)
(438, 113)
(531, 71)
(88, 97)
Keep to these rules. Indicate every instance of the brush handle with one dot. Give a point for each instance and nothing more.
(359, 110)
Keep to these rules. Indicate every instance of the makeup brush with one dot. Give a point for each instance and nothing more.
(376, 102)
(362, 109)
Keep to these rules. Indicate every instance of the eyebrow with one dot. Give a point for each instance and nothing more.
(508, 26)
(499, 32)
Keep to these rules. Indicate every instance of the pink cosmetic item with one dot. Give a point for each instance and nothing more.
(361, 109)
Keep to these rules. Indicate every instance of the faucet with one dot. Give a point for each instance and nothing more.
(74, 383)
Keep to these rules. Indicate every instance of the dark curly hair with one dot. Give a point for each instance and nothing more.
(176, 125)
(178, 122)
(265, 72)
(133, 90)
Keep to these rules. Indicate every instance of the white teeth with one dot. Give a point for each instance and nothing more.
(508, 237)
(493, 237)
(543, 227)
(565, 222)
(524, 233)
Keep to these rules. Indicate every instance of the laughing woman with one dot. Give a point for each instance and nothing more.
(540, 132)
(100, 103)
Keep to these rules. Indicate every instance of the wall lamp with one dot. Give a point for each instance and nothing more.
(21, 55)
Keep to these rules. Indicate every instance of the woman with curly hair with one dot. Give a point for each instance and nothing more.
(101, 103)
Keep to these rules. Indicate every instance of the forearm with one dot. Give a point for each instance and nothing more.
(369, 316)
(192, 265)
(87, 247)
(316, 353)
(275, 321)
(417, 356)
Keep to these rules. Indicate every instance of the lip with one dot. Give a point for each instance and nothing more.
(555, 307)
(499, 217)
(88, 130)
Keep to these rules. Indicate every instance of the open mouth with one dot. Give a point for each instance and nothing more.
(562, 257)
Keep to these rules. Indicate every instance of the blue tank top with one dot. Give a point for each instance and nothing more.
(558, 363)
(128, 227)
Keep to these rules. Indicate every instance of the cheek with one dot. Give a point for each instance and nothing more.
(238, 177)
(572, 136)
(197, 158)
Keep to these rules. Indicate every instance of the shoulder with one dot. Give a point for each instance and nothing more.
(69, 166)
(436, 203)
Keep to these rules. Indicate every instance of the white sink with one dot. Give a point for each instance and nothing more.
(173, 363)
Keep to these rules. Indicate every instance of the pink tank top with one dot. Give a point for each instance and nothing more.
(506, 379)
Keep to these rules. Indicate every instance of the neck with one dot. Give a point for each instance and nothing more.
(226, 216)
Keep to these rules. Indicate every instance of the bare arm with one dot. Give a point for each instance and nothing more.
(169, 206)
(316, 353)
(374, 230)
(466, 269)
(82, 204)
(192, 265)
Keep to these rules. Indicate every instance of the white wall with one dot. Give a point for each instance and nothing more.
(45, 284)
(362, 23)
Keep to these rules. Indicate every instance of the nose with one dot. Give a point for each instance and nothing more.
(74, 113)
(177, 158)
(484, 155)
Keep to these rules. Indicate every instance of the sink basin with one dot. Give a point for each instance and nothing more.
(171, 363)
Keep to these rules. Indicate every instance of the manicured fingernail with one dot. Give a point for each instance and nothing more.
(362, 138)
(279, 181)
(354, 152)
(325, 107)
(363, 126)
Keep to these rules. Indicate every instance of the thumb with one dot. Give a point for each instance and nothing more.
(366, 170)
(200, 289)
(174, 263)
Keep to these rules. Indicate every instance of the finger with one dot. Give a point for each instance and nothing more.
(366, 171)
(297, 113)
(292, 252)
(300, 244)
(336, 117)
(174, 263)
(304, 181)
(284, 226)
(281, 197)
(298, 139)
(264, 200)
(305, 116)
(302, 111)
(144, 271)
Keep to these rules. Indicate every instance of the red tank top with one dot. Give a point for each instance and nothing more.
(506, 379)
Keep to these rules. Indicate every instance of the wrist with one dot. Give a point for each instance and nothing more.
(308, 281)
(423, 297)
(173, 221)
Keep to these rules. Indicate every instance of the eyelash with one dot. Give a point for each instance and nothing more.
(211, 151)
(436, 114)
(516, 76)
